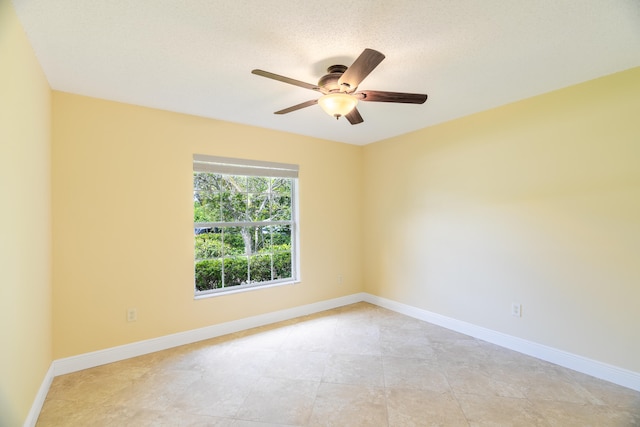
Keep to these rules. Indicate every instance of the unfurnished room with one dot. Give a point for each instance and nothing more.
(299, 213)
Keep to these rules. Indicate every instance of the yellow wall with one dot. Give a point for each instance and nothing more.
(25, 222)
(123, 221)
(537, 202)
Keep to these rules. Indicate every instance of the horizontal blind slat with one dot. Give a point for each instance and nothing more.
(230, 166)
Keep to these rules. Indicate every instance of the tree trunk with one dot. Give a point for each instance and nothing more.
(246, 238)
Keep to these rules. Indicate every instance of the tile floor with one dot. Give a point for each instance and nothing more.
(359, 365)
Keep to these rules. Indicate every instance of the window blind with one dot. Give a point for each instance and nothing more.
(230, 166)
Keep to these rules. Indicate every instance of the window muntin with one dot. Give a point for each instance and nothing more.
(244, 224)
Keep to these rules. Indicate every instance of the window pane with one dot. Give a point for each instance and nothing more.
(260, 238)
(236, 271)
(206, 206)
(281, 238)
(258, 208)
(234, 241)
(260, 268)
(222, 183)
(237, 184)
(257, 184)
(208, 243)
(204, 181)
(208, 274)
(234, 207)
(282, 265)
(266, 238)
(281, 185)
(211, 182)
(281, 199)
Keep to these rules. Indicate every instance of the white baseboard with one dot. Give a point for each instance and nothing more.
(587, 366)
(36, 407)
(114, 354)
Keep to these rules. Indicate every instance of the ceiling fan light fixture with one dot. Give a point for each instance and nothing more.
(340, 86)
(337, 104)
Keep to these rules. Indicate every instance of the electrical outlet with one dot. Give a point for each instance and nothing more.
(340, 279)
(132, 315)
(516, 309)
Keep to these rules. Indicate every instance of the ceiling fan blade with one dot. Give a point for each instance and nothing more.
(286, 80)
(354, 117)
(361, 67)
(380, 96)
(297, 107)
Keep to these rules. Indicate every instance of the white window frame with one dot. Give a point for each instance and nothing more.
(242, 167)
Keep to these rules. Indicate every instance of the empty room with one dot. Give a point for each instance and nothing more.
(440, 224)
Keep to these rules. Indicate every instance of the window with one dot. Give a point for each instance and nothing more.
(245, 227)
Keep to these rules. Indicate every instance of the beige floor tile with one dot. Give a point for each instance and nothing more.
(356, 345)
(245, 423)
(358, 365)
(469, 380)
(80, 414)
(461, 353)
(311, 335)
(280, 401)
(500, 355)
(345, 404)
(607, 392)
(215, 394)
(406, 343)
(297, 365)
(355, 341)
(158, 418)
(415, 374)
(54, 412)
(354, 326)
(354, 369)
(544, 387)
(386, 319)
(413, 408)
(96, 385)
(192, 357)
(563, 414)
(500, 411)
(440, 335)
(263, 338)
(254, 362)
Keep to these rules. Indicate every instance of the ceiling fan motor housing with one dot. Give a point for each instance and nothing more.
(329, 82)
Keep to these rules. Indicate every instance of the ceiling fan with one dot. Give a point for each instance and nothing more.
(339, 88)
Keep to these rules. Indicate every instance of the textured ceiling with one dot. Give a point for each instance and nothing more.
(196, 56)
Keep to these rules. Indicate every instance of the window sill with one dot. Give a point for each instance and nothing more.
(246, 289)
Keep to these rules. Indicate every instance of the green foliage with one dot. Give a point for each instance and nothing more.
(282, 265)
(238, 269)
(235, 271)
(260, 268)
(208, 274)
(231, 198)
(281, 235)
(209, 245)
(233, 240)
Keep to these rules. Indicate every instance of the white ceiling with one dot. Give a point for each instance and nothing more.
(196, 56)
